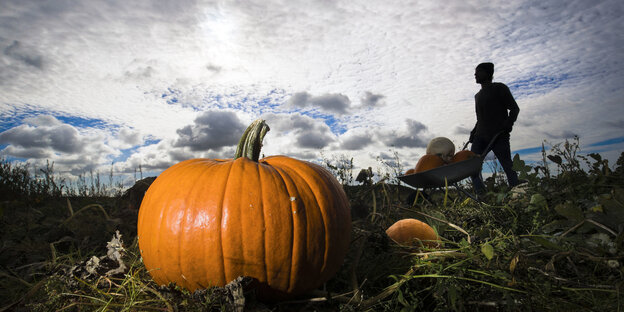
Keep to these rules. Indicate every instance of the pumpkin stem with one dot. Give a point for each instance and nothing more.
(251, 142)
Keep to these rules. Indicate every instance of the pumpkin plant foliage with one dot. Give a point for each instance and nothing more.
(283, 221)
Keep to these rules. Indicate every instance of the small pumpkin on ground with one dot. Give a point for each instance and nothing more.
(428, 162)
(442, 147)
(463, 155)
(283, 221)
(412, 232)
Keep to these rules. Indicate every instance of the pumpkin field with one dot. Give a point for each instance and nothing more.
(554, 243)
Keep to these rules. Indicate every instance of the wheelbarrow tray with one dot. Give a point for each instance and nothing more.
(444, 175)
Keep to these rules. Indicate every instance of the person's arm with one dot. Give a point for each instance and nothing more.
(474, 130)
(472, 133)
(513, 108)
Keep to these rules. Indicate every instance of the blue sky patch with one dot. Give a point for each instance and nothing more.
(9, 158)
(537, 84)
(14, 118)
(10, 122)
(171, 96)
(527, 151)
(336, 127)
(81, 122)
(151, 142)
(127, 152)
(334, 124)
(608, 142)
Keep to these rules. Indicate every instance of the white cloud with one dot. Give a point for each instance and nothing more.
(44, 132)
(356, 139)
(211, 130)
(414, 136)
(294, 132)
(129, 137)
(151, 69)
(370, 100)
(338, 104)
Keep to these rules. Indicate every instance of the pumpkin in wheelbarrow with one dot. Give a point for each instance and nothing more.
(443, 147)
(463, 155)
(428, 162)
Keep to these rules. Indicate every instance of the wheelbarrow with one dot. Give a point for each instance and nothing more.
(449, 175)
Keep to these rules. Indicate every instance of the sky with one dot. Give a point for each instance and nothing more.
(95, 85)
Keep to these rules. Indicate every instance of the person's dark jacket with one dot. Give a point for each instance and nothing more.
(492, 104)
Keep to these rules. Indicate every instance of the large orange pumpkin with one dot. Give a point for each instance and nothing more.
(463, 155)
(282, 221)
(411, 231)
(428, 162)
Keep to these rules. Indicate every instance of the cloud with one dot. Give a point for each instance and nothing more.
(140, 72)
(178, 155)
(73, 150)
(414, 136)
(129, 136)
(155, 157)
(43, 132)
(33, 152)
(305, 132)
(114, 61)
(463, 130)
(561, 134)
(27, 56)
(618, 124)
(356, 139)
(338, 104)
(214, 68)
(311, 140)
(370, 100)
(211, 130)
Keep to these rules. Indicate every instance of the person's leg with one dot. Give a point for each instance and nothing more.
(502, 151)
(478, 147)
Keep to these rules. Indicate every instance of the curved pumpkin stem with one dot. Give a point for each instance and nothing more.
(251, 142)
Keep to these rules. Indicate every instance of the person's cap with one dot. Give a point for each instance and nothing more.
(487, 67)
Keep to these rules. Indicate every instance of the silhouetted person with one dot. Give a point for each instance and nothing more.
(496, 111)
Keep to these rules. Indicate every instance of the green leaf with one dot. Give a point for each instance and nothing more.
(570, 211)
(487, 250)
(452, 295)
(557, 225)
(597, 208)
(402, 300)
(546, 243)
(556, 159)
(595, 156)
(441, 227)
(538, 202)
(518, 164)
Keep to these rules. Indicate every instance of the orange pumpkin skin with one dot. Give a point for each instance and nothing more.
(409, 231)
(463, 155)
(428, 162)
(282, 221)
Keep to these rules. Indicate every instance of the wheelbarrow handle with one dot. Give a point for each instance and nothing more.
(465, 146)
(487, 149)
